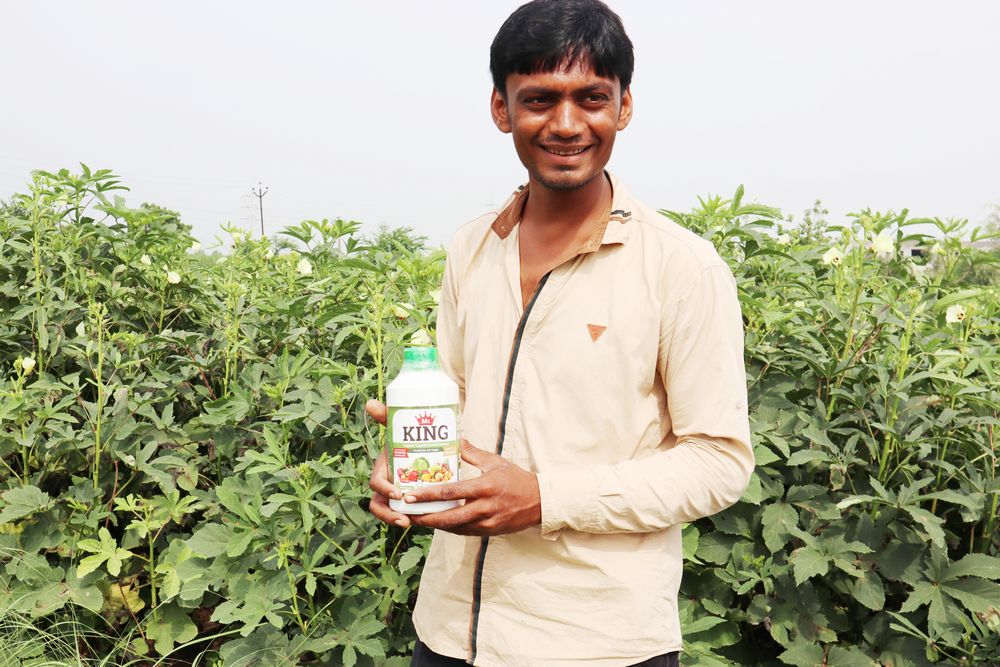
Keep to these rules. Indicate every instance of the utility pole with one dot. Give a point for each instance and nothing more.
(259, 193)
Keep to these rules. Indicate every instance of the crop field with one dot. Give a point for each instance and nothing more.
(184, 453)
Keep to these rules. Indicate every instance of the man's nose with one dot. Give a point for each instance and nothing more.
(566, 121)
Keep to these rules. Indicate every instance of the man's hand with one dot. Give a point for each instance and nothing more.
(382, 488)
(504, 499)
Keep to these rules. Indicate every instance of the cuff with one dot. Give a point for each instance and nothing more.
(569, 500)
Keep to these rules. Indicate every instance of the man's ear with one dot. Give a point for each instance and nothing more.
(500, 112)
(625, 113)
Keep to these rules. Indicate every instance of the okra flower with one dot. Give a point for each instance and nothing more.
(784, 239)
(145, 260)
(436, 295)
(173, 277)
(27, 365)
(883, 245)
(304, 267)
(269, 254)
(420, 337)
(799, 304)
(402, 311)
(195, 247)
(833, 256)
(954, 314)
(81, 330)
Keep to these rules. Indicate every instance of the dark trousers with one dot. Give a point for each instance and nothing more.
(424, 657)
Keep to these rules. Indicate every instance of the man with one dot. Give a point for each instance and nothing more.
(599, 351)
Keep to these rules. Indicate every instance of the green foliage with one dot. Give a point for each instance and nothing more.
(184, 454)
(183, 446)
(869, 532)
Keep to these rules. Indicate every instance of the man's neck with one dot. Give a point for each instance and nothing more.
(551, 215)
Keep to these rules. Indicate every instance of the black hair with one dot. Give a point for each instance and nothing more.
(544, 35)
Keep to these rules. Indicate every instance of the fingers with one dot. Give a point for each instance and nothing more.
(379, 480)
(379, 507)
(376, 410)
(472, 488)
(480, 458)
(462, 520)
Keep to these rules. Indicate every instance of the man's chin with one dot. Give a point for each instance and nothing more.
(564, 182)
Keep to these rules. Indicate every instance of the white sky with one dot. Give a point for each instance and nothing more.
(378, 111)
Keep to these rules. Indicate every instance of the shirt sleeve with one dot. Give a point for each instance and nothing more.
(708, 468)
(449, 332)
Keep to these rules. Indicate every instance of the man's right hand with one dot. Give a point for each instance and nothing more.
(382, 488)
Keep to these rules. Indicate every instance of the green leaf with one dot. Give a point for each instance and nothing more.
(778, 520)
(979, 565)
(210, 540)
(689, 541)
(410, 559)
(803, 654)
(21, 502)
(804, 456)
(869, 591)
(974, 593)
(716, 547)
(754, 492)
(89, 564)
(808, 562)
(929, 522)
(169, 625)
(848, 656)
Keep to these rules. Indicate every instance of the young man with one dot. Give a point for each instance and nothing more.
(599, 351)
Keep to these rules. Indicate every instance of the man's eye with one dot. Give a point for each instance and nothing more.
(597, 98)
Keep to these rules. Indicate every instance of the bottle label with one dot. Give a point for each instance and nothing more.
(423, 446)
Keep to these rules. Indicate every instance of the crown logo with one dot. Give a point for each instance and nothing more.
(426, 419)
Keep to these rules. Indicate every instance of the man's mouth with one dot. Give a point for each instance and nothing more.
(565, 151)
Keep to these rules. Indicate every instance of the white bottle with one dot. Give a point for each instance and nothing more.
(422, 440)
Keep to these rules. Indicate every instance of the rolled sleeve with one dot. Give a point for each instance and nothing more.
(709, 466)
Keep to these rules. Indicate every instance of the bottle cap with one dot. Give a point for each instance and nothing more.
(420, 358)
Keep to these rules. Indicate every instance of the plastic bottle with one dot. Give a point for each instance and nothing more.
(422, 440)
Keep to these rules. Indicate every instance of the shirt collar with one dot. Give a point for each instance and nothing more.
(619, 213)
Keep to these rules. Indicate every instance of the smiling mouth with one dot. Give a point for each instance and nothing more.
(565, 152)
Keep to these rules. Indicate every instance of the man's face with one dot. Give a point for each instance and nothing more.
(563, 123)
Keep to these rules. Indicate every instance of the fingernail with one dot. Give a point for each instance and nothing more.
(400, 522)
(410, 499)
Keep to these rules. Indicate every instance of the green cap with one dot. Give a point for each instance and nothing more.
(420, 358)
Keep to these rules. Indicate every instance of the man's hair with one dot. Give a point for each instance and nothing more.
(545, 35)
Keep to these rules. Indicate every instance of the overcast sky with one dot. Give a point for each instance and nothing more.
(378, 111)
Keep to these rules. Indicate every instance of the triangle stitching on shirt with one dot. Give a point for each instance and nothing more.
(595, 331)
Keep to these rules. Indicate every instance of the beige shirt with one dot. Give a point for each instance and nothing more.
(622, 386)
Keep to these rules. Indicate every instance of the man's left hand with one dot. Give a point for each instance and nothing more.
(504, 499)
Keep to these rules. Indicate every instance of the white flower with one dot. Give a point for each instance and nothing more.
(402, 311)
(269, 254)
(799, 304)
(436, 296)
(173, 277)
(221, 260)
(145, 260)
(28, 365)
(954, 314)
(420, 337)
(784, 239)
(81, 330)
(918, 271)
(884, 245)
(833, 256)
(195, 247)
(937, 249)
(304, 267)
